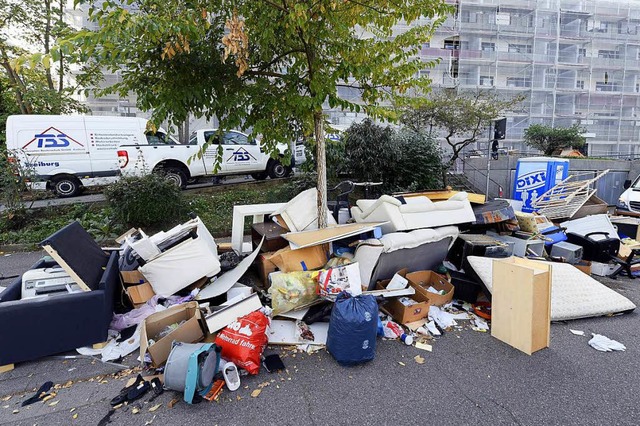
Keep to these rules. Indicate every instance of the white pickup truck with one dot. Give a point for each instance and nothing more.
(181, 163)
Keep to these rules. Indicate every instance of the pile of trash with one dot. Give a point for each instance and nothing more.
(185, 303)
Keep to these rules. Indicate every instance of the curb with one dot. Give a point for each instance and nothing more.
(17, 248)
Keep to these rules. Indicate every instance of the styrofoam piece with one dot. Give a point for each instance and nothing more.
(283, 332)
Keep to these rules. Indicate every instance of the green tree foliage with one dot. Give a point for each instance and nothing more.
(550, 139)
(34, 60)
(460, 118)
(264, 65)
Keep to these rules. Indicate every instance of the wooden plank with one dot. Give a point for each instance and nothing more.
(320, 236)
(6, 368)
(64, 265)
(521, 304)
(445, 195)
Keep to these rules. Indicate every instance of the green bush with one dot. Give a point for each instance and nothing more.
(371, 154)
(147, 201)
(419, 162)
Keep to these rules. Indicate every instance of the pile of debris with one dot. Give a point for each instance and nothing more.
(178, 298)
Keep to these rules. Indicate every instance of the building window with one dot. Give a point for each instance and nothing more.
(424, 73)
(520, 48)
(637, 87)
(579, 84)
(488, 46)
(518, 82)
(608, 54)
(486, 80)
(582, 52)
(602, 86)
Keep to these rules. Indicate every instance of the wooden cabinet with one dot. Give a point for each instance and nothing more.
(521, 303)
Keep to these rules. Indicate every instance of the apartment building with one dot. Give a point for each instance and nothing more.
(576, 61)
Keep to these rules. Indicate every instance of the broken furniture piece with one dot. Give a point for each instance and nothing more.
(421, 249)
(301, 212)
(444, 194)
(567, 197)
(521, 303)
(258, 211)
(414, 212)
(600, 247)
(43, 326)
(477, 245)
(194, 257)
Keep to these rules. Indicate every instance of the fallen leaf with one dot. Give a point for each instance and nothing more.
(48, 397)
(173, 402)
(155, 407)
(255, 393)
(6, 398)
(401, 363)
(54, 403)
(75, 416)
(238, 398)
(72, 410)
(419, 359)
(16, 411)
(115, 407)
(135, 410)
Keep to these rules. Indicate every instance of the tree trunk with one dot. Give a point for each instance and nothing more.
(18, 85)
(47, 41)
(61, 71)
(321, 168)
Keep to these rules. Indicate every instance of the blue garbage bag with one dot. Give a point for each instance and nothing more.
(352, 329)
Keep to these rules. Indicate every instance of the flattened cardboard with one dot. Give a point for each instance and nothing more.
(422, 280)
(304, 239)
(191, 331)
(132, 278)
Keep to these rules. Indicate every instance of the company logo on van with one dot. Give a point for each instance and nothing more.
(52, 138)
(531, 180)
(240, 155)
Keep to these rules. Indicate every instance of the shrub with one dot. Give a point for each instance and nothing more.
(370, 152)
(147, 201)
(419, 163)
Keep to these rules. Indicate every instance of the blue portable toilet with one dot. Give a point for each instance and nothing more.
(535, 176)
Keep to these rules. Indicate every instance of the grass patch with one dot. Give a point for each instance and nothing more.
(214, 208)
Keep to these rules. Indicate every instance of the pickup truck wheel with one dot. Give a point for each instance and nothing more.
(66, 186)
(278, 170)
(176, 176)
(259, 176)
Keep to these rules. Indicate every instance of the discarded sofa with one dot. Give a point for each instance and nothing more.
(301, 213)
(42, 326)
(421, 249)
(414, 212)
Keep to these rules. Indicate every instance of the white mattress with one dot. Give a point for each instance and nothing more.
(573, 294)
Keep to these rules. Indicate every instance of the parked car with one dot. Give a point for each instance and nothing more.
(184, 163)
(629, 201)
(67, 153)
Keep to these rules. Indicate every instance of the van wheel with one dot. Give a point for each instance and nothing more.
(176, 176)
(278, 170)
(259, 176)
(67, 186)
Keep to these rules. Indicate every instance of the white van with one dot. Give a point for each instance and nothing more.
(629, 201)
(66, 153)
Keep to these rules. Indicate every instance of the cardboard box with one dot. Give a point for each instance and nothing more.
(422, 280)
(136, 287)
(400, 312)
(304, 259)
(264, 267)
(584, 266)
(191, 331)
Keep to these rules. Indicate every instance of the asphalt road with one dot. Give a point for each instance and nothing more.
(470, 378)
